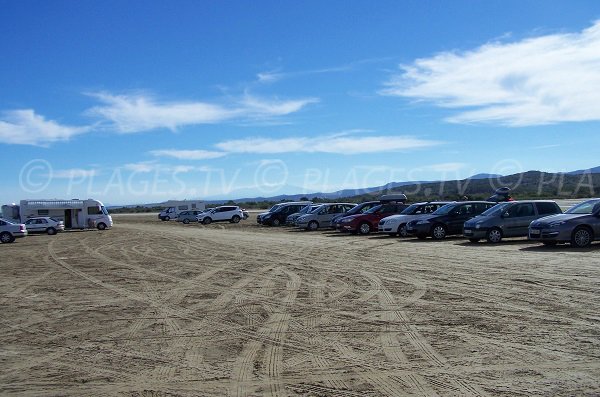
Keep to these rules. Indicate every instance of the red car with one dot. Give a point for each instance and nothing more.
(367, 222)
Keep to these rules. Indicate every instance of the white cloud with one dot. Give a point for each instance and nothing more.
(27, 128)
(74, 173)
(341, 144)
(137, 113)
(541, 80)
(152, 166)
(187, 154)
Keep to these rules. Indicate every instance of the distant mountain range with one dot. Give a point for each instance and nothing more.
(527, 184)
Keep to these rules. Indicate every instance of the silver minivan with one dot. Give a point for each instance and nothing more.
(509, 219)
(322, 215)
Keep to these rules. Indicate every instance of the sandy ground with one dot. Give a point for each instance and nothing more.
(153, 308)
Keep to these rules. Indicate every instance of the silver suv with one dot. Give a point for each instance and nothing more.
(322, 215)
(189, 216)
(510, 219)
(9, 231)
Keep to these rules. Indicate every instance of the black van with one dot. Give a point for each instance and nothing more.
(446, 220)
(279, 215)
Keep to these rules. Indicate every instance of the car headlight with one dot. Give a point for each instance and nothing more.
(557, 223)
(266, 216)
(478, 226)
(423, 222)
(346, 220)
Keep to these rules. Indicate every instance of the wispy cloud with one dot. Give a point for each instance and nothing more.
(340, 144)
(188, 154)
(143, 167)
(140, 112)
(541, 80)
(25, 127)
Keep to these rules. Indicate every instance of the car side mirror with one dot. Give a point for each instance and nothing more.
(505, 215)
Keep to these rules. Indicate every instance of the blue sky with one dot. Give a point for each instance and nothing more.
(139, 101)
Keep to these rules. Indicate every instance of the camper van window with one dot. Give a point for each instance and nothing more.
(104, 210)
(42, 212)
(183, 207)
(94, 211)
(193, 206)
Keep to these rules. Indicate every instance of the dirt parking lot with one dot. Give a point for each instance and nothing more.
(153, 308)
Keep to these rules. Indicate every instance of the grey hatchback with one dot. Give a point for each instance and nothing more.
(189, 216)
(510, 219)
(579, 225)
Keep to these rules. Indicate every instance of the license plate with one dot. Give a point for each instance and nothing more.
(468, 231)
(534, 232)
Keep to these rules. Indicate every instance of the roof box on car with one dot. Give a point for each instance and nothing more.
(398, 198)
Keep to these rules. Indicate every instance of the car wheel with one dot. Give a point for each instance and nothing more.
(550, 243)
(235, 219)
(402, 231)
(51, 231)
(494, 235)
(364, 228)
(313, 225)
(474, 240)
(101, 226)
(581, 237)
(438, 232)
(6, 237)
(186, 221)
(207, 221)
(276, 222)
(167, 218)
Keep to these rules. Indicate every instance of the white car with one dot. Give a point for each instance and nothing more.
(229, 213)
(9, 231)
(44, 224)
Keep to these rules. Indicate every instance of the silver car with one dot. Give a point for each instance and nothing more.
(579, 225)
(510, 219)
(189, 216)
(44, 224)
(9, 231)
(322, 215)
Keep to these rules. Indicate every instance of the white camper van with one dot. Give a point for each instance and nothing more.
(76, 214)
(173, 208)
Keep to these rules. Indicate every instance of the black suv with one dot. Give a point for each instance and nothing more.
(279, 215)
(446, 220)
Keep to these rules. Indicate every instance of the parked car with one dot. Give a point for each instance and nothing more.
(509, 219)
(279, 215)
(322, 216)
(44, 224)
(262, 214)
(9, 231)
(446, 220)
(367, 222)
(291, 219)
(231, 213)
(395, 225)
(189, 216)
(579, 225)
(359, 209)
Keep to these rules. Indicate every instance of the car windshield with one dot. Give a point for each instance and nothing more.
(374, 209)
(497, 210)
(445, 210)
(104, 210)
(55, 219)
(587, 207)
(411, 209)
(274, 208)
